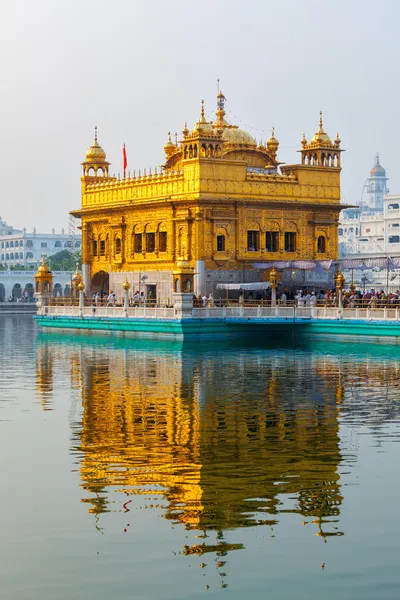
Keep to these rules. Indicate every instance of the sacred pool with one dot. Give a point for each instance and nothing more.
(137, 468)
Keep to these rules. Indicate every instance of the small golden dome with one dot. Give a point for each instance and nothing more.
(320, 138)
(95, 152)
(182, 264)
(81, 286)
(169, 147)
(202, 125)
(185, 130)
(273, 143)
(44, 267)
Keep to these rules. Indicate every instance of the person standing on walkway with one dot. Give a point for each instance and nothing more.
(111, 299)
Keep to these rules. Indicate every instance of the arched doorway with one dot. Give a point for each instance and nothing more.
(16, 292)
(67, 290)
(57, 290)
(2, 293)
(101, 283)
(29, 289)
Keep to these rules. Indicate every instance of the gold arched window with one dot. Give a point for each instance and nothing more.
(321, 244)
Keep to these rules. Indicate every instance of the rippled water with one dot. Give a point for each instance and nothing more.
(156, 470)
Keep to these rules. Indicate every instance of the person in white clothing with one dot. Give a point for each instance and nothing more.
(313, 299)
(111, 299)
(300, 299)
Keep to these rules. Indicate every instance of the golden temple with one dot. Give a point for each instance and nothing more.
(220, 203)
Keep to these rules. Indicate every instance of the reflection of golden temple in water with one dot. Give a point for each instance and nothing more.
(227, 441)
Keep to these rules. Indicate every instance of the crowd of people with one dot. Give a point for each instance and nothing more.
(350, 298)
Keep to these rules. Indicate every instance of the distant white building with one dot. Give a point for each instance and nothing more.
(372, 230)
(375, 189)
(18, 247)
(369, 229)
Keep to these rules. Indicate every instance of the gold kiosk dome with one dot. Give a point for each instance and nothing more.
(95, 163)
(321, 138)
(43, 278)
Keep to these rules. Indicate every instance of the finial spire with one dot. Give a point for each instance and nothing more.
(321, 127)
(95, 134)
(273, 132)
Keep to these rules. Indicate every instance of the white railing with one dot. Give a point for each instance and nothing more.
(292, 313)
(136, 312)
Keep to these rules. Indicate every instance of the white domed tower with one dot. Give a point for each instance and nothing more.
(375, 188)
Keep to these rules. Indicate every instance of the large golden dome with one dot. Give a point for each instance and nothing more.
(234, 135)
(230, 133)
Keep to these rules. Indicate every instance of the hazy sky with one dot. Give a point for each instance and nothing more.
(138, 69)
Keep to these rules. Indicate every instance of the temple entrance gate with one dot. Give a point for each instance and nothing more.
(101, 283)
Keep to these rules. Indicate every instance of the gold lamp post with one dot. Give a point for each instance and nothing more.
(339, 282)
(80, 287)
(273, 282)
(127, 286)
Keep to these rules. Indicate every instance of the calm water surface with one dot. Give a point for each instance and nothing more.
(142, 469)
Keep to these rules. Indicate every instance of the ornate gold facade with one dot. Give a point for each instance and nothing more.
(221, 202)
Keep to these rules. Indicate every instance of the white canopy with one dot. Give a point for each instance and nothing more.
(262, 285)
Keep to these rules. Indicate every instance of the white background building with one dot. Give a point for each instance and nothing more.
(13, 284)
(18, 247)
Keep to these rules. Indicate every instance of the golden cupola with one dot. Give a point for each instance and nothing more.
(273, 144)
(320, 151)
(95, 163)
(169, 147)
(203, 126)
(320, 138)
